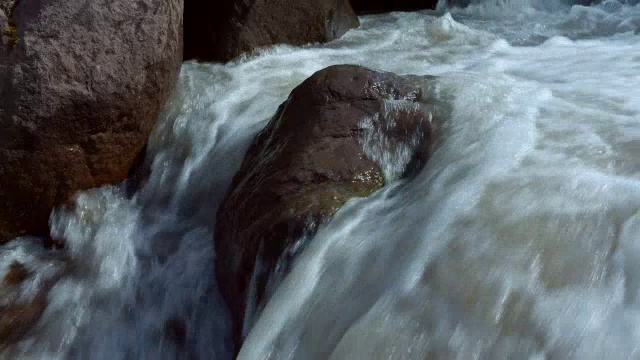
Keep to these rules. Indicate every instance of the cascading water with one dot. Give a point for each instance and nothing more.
(519, 240)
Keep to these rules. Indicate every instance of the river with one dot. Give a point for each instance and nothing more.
(520, 239)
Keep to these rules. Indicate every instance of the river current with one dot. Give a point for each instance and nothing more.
(520, 239)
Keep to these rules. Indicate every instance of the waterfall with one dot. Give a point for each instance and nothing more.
(519, 238)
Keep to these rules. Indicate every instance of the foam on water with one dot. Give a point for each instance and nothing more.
(531, 22)
(519, 239)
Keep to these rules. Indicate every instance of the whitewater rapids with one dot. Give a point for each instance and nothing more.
(519, 240)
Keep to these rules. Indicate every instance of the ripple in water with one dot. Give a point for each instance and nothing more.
(518, 240)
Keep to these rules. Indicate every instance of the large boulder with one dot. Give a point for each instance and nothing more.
(379, 6)
(341, 134)
(221, 30)
(81, 85)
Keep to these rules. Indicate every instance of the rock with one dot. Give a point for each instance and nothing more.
(363, 7)
(175, 331)
(17, 318)
(317, 152)
(23, 291)
(15, 275)
(221, 30)
(81, 86)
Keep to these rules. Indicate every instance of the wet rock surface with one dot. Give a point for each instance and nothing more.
(24, 288)
(81, 86)
(220, 31)
(363, 7)
(324, 146)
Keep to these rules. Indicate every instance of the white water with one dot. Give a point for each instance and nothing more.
(519, 240)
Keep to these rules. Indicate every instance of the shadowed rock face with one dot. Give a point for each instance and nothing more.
(81, 85)
(316, 153)
(221, 30)
(362, 7)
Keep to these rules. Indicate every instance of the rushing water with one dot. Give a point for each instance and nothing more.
(519, 240)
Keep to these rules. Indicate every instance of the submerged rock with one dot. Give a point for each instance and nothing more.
(222, 30)
(24, 289)
(17, 316)
(341, 134)
(16, 274)
(81, 86)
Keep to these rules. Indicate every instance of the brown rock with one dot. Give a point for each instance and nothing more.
(362, 7)
(16, 319)
(16, 316)
(221, 30)
(81, 85)
(24, 290)
(307, 162)
(16, 274)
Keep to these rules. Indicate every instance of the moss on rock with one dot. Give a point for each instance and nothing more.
(12, 34)
(302, 168)
(8, 7)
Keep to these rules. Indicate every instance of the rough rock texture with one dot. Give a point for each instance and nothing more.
(310, 159)
(81, 85)
(362, 7)
(223, 29)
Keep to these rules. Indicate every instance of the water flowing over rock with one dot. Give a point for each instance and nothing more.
(542, 4)
(81, 85)
(223, 30)
(23, 290)
(322, 147)
(517, 240)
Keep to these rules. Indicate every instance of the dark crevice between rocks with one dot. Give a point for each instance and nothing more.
(18, 137)
(176, 332)
(139, 173)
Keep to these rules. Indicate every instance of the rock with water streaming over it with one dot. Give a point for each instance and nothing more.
(223, 30)
(24, 288)
(81, 86)
(17, 316)
(341, 134)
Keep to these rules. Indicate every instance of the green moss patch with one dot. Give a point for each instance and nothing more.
(11, 30)
(12, 33)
